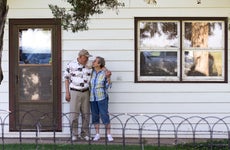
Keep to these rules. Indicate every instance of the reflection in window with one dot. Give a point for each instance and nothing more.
(35, 46)
(181, 49)
(158, 34)
(158, 63)
(203, 34)
(211, 60)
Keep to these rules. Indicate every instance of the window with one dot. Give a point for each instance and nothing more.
(181, 49)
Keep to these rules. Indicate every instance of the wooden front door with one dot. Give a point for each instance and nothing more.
(35, 74)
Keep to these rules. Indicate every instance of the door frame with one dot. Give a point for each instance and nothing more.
(14, 25)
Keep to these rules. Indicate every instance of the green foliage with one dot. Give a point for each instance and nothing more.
(76, 18)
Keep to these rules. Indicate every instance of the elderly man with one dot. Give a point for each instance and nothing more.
(77, 77)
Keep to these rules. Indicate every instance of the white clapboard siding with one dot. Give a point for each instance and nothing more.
(6, 44)
(129, 3)
(180, 3)
(98, 44)
(4, 89)
(5, 66)
(33, 4)
(5, 55)
(111, 35)
(4, 96)
(106, 22)
(162, 98)
(100, 34)
(166, 12)
(20, 13)
(181, 108)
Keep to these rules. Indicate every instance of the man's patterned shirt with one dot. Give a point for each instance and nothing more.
(78, 75)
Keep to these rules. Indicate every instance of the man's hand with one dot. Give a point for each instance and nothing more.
(67, 97)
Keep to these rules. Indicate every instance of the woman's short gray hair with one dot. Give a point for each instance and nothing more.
(101, 61)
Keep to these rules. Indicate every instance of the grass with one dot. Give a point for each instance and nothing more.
(81, 147)
(216, 145)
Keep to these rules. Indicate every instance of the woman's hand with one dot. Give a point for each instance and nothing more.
(108, 74)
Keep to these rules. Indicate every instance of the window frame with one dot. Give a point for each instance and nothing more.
(180, 77)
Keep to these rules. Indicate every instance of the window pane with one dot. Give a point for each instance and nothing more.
(158, 35)
(158, 63)
(35, 46)
(203, 63)
(203, 34)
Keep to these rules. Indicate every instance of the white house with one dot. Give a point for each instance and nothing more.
(126, 40)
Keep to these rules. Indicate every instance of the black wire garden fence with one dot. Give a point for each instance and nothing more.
(195, 132)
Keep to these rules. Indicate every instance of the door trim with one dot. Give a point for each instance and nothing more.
(56, 61)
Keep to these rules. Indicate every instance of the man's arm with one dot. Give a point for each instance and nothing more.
(67, 95)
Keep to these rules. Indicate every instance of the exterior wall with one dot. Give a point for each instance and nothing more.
(112, 37)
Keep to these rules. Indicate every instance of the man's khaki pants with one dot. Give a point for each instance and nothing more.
(79, 106)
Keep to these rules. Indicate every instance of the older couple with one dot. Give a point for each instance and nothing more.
(87, 88)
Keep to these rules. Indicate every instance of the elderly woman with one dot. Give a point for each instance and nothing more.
(99, 97)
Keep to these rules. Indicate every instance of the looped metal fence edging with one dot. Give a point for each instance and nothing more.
(152, 126)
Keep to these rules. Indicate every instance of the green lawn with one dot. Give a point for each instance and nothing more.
(80, 147)
(216, 145)
(202, 146)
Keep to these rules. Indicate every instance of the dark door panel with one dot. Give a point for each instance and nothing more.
(35, 83)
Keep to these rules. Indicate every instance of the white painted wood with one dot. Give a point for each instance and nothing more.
(162, 98)
(30, 13)
(165, 12)
(107, 22)
(129, 3)
(5, 66)
(100, 34)
(169, 108)
(24, 4)
(98, 44)
(5, 55)
(5, 44)
(170, 88)
(181, 3)
(111, 36)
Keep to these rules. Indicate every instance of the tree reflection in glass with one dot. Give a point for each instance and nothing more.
(34, 46)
